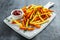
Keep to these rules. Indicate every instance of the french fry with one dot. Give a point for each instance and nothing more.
(23, 28)
(23, 23)
(32, 14)
(29, 14)
(37, 18)
(44, 16)
(13, 22)
(34, 18)
(27, 23)
(40, 16)
(39, 23)
(49, 15)
(19, 24)
(33, 6)
(24, 9)
(30, 29)
(45, 13)
(36, 25)
(25, 19)
(18, 20)
(39, 6)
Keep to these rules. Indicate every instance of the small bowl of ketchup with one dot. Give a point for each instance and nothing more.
(17, 14)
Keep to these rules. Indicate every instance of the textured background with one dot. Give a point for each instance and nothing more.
(52, 32)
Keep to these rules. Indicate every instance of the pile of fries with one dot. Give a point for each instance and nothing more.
(34, 16)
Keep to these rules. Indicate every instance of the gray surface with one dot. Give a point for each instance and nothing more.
(52, 32)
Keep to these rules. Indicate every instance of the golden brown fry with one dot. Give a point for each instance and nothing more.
(27, 23)
(33, 6)
(16, 20)
(30, 29)
(34, 18)
(19, 24)
(23, 23)
(37, 18)
(39, 23)
(29, 14)
(13, 22)
(23, 28)
(35, 25)
(34, 15)
(24, 9)
(40, 16)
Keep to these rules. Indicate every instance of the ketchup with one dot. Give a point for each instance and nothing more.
(17, 12)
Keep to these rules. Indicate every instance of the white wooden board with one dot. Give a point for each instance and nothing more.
(28, 34)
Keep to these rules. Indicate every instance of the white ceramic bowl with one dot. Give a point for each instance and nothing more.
(17, 16)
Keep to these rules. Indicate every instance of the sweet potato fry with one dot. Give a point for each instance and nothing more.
(44, 16)
(36, 25)
(30, 29)
(24, 9)
(23, 23)
(49, 15)
(23, 28)
(29, 14)
(24, 19)
(13, 22)
(18, 20)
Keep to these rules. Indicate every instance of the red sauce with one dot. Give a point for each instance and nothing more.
(17, 12)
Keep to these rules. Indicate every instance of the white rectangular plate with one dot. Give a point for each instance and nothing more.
(28, 34)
